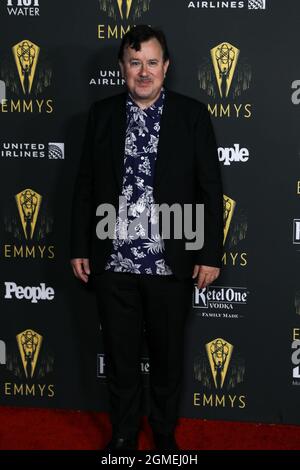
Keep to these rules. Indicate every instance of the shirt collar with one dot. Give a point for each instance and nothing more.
(154, 110)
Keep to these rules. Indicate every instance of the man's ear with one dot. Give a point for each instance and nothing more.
(166, 66)
(121, 65)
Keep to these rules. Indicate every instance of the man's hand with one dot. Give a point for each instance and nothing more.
(81, 268)
(206, 275)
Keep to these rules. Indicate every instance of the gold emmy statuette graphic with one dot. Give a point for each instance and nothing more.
(26, 56)
(29, 343)
(224, 58)
(219, 354)
(229, 206)
(124, 8)
(29, 203)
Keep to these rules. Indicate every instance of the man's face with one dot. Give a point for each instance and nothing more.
(144, 71)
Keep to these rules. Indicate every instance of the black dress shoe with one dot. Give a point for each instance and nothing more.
(122, 443)
(164, 441)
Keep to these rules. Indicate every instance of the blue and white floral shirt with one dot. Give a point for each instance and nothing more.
(139, 248)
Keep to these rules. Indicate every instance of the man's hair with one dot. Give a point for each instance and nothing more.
(142, 33)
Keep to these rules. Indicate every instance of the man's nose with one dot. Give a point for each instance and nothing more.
(144, 69)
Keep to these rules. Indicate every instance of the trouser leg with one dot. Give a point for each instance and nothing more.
(167, 303)
(121, 317)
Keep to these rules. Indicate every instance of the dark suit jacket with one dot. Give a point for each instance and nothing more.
(187, 172)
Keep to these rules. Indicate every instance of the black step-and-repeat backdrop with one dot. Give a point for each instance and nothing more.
(241, 58)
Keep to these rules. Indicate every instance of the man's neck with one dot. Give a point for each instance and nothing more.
(146, 104)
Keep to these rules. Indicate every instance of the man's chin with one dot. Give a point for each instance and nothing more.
(144, 90)
(143, 95)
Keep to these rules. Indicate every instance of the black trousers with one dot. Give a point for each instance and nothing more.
(127, 303)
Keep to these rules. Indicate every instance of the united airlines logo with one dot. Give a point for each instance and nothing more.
(56, 150)
(107, 77)
(257, 4)
(32, 151)
(228, 5)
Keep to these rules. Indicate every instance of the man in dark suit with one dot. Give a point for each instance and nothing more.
(152, 147)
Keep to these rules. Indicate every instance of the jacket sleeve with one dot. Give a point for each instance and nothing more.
(209, 191)
(82, 204)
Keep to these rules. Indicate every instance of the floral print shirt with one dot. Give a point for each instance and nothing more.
(138, 247)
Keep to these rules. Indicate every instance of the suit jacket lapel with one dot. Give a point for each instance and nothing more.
(118, 130)
(167, 135)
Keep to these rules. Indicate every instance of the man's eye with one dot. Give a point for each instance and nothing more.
(153, 63)
(135, 63)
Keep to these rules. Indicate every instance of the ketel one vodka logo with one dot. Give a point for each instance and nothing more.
(219, 354)
(26, 55)
(28, 202)
(29, 343)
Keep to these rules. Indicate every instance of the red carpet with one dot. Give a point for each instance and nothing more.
(41, 429)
